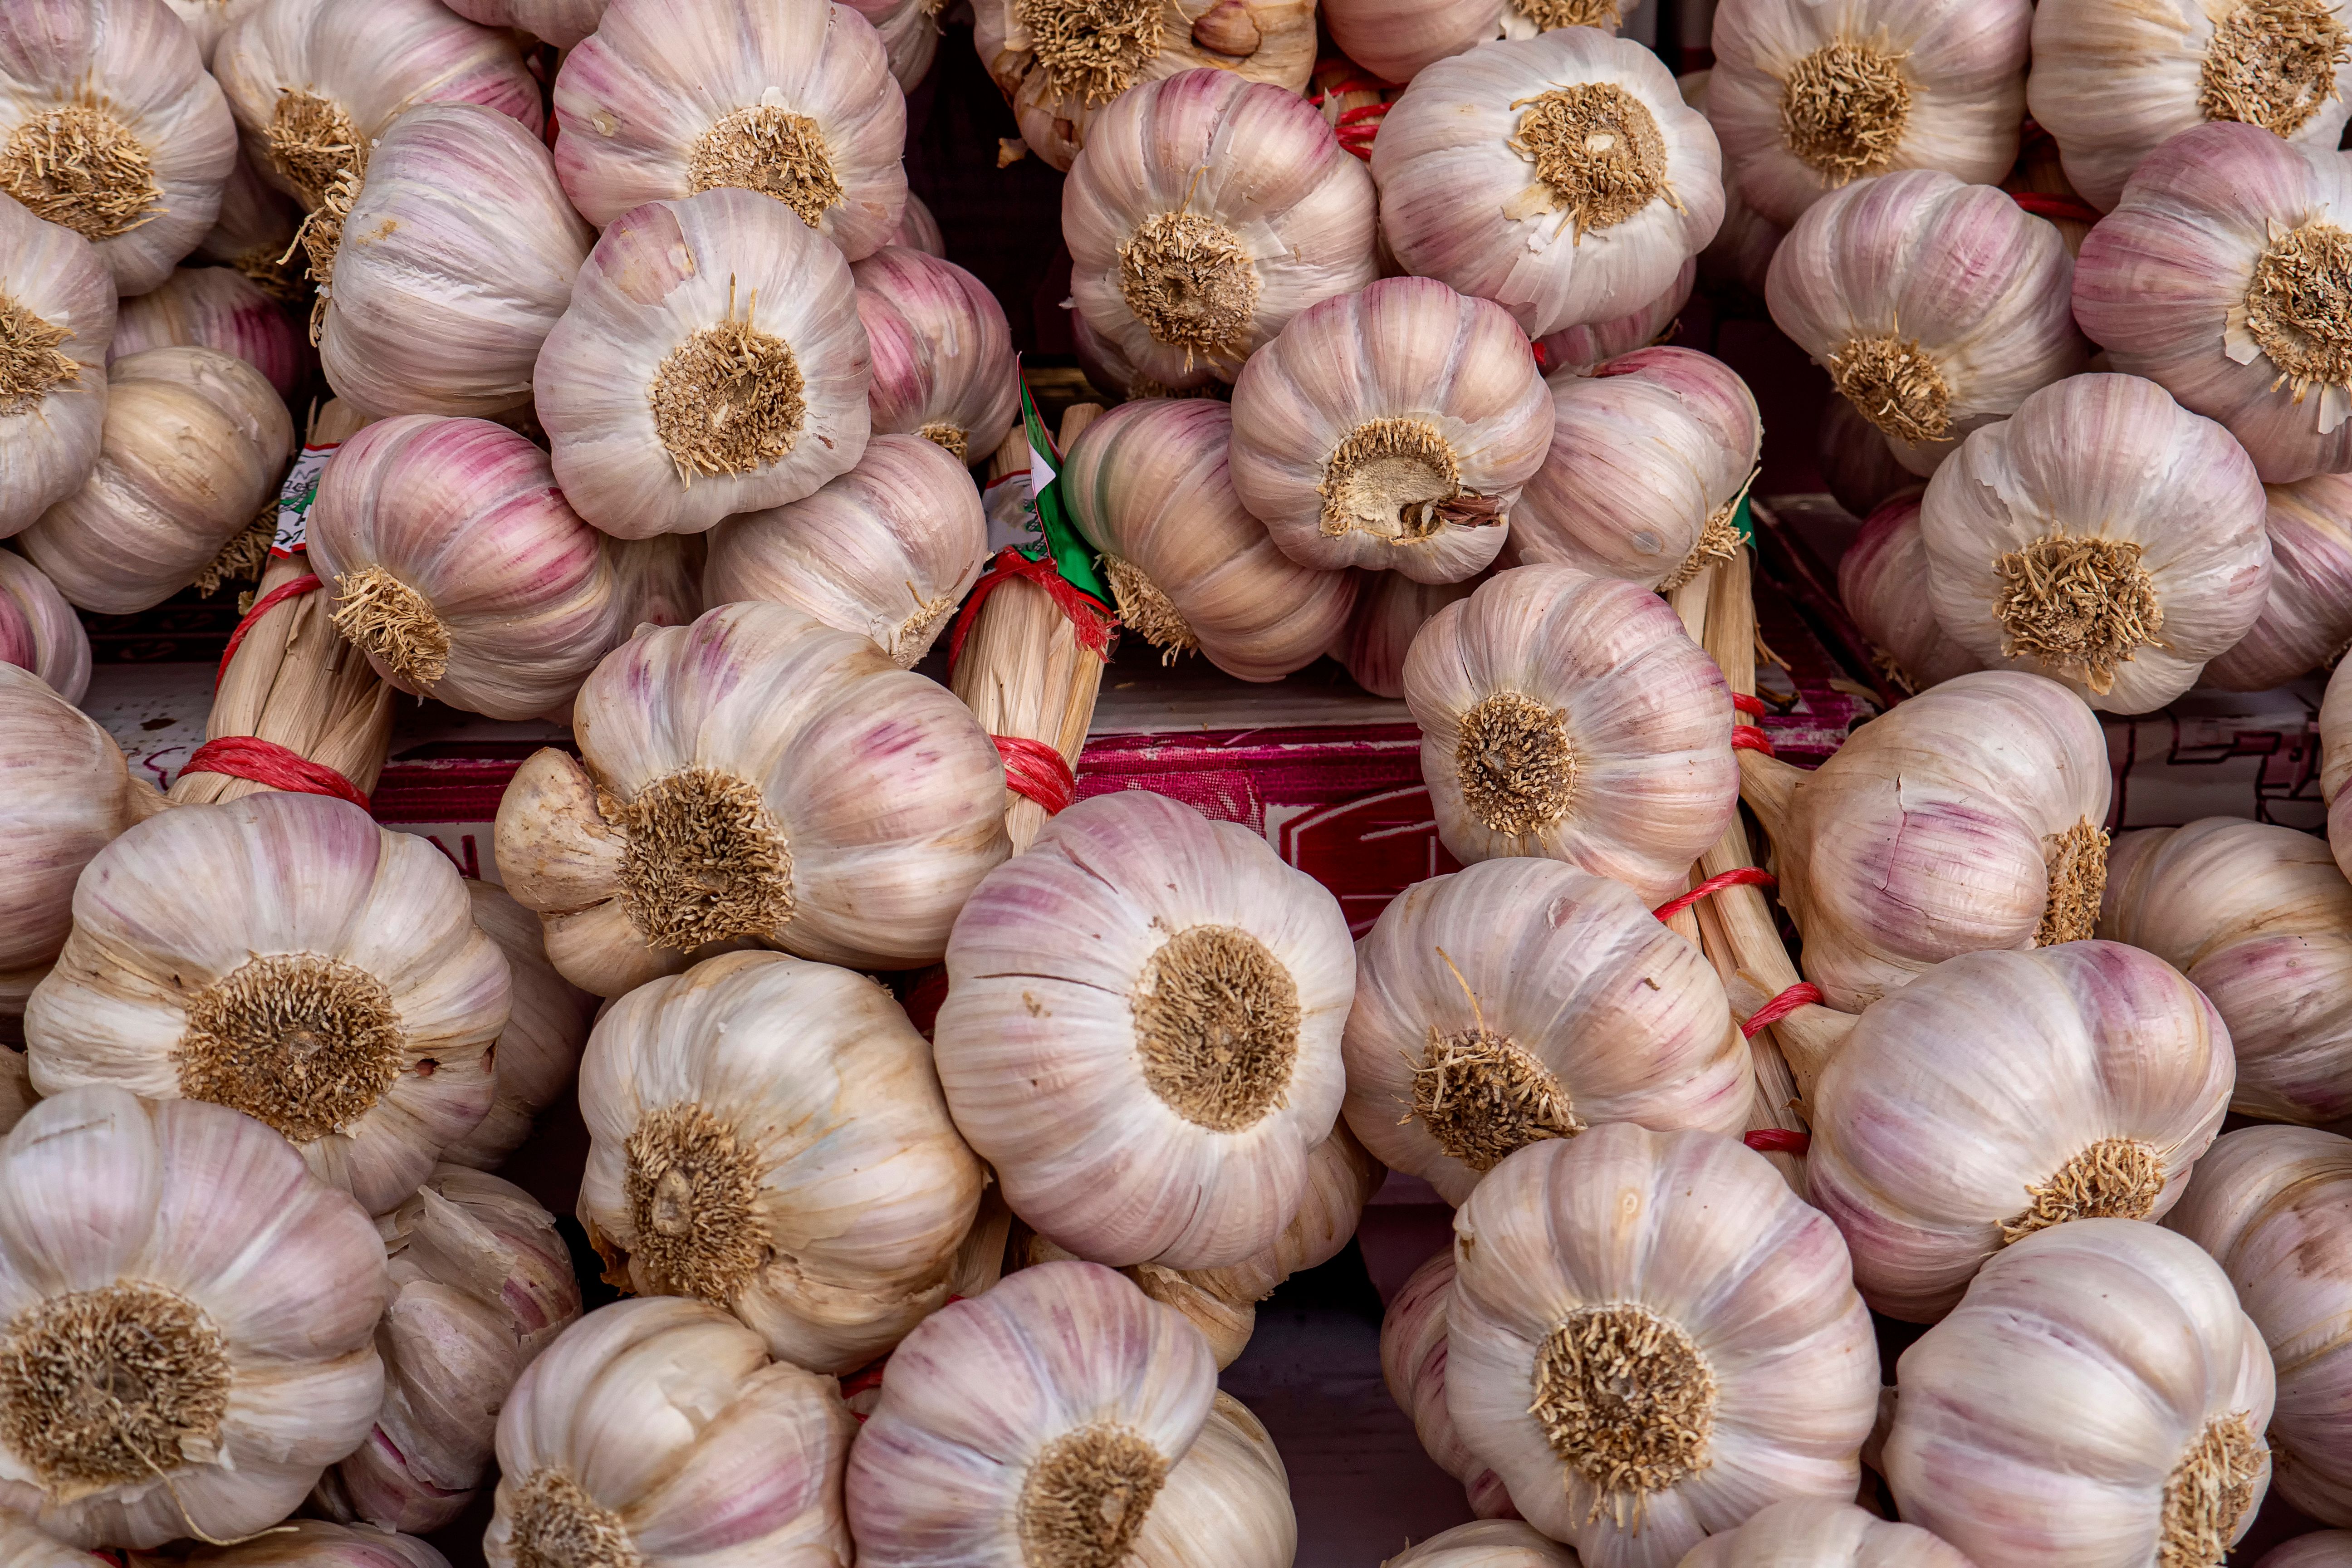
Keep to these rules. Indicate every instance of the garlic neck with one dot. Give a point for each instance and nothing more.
(1086, 1496)
(1844, 109)
(1769, 786)
(2271, 63)
(1810, 1038)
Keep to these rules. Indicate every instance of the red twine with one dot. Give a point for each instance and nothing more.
(1356, 127)
(2041, 203)
(1748, 738)
(268, 762)
(1804, 992)
(1778, 1141)
(1743, 877)
(1035, 770)
(1090, 616)
(306, 583)
(1751, 706)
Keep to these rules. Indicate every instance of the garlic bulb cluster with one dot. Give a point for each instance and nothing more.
(282, 955)
(1990, 1404)
(1487, 1544)
(726, 792)
(195, 442)
(2307, 618)
(658, 1432)
(1650, 1338)
(942, 353)
(1578, 350)
(1883, 583)
(1390, 610)
(1860, 469)
(1150, 486)
(182, 1246)
(1155, 1093)
(562, 23)
(887, 551)
(39, 631)
(317, 1543)
(1936, 306)
(56, 320)
(1394, 41)
(1571, 716)
(2103, 536)
(214, 308)
(1207, 211)
(1818, 1533)
(547, 1027)
(1391, 430)
(1561, 177)
(1412, 1364)
(710, 363)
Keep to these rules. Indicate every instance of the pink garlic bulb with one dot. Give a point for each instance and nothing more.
(1818, 1532)
(1860, 469)
(2320, 1549)
(943, 363)
(2307, 618)
(1487, 183)
(1883, 583)
(1412, 1364)
(539, 1050)
(562, 23)
(887, 551)
(1390, 610)
(39, 631)
(1391, 430)
(307, 1543)
(214, 308)
(918, 229)
(207, 20)
(58, 311)
(1579, 351)
(1393, 41)
(910, 31)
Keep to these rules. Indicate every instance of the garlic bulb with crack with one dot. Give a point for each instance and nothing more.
(1389, 612)
(943, 364)
(547, 1027)
(1206, 213)
(214, 308)
(282, 955)
(710, 363)
(56, 320)
(1393, 41)
(887, 551)
(1561, 177)
(1156, 1094)
(1817, 1532)
(2103, 536)
(1650, 1338)
(1883, 583)
(1579, 351)
(1391, 430)
(184, 1250)
(39, 631)
(757, 777)
(1860, 469)
(2104, 1370)
(1412, 1364)
(562, 23)
(1487, 1544)
(311, 1543)
(1571, 716)
(658, 1433)
(2307, 620)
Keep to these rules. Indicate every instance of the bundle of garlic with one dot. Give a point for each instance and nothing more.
(1391, 430)
(2042, 1383)
(1207, 212)
(180, 1253)
(313, 1543)
(942, 354)
(1883, 583)
(1149, 485)
(214, 308)
(2320, 1549)
(2306, 619)
(657, 1433)
(480, 1284)
(1579, 351)
(286, 957)
(208, 20)
(1487, 1544)
(1571, 716)
(1561, 177)
(1650, 1337)
(1390, 610)
(1651, 456)
(562, 23)
(547, 1027)
(195, 440)
(670, 401)
(1860, 469)
(56, 320)
(39, 631)
(1820, 1533)
(1412, 1364)
(1394, 41)
(255, 232)
(2104, 536)
(757, 777)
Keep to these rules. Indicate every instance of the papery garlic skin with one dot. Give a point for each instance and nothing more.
(910, 31)
(1573, 246)
(1577, 351)
(39, 631)
(208, 20)
(943, 366)
(191, 1238)
(1412, 1366)
(2040, 1383)
(660, 1430)
(918, 229)
(316, 1543)
(1227, 1503)
(1860, 469)
(255, 232)
(22, 1546)
(1883, 583)
(547, 1027)
(215, 307)
(562, 23)
(1389, 612)
(1680, 1266)
(2307, 618)
(283, 955)
(1571, 716)
(1487, 1544)
(660, 578)
(1817, 1532)
(57, 297)
(1740, 254)
(1394, 41)
(2320, 1549)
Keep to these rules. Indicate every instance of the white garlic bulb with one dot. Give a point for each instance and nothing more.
(547, 1027)
(1857, 463)
(314, 1543)
(23, 1546)
(208, 20)
(1487, 1544)
(1650, 1338)
(658, 1432)
(887, 551)
(1560, 176)
(1412, 1364)
(1883, 583)
(1816, 1532)
(1390, 609)
(725, 793)
(1578, 350)
(943, 366)
(1571, 716)
(56, 320)
(1206, 212)
(215, 307)
(2306, 619)
(1391, 430)
(562, 23)
(283, 955)
(2320, 1549)
(1393, 41)
(710, 363)
(39, 631)
(2047, 1380)
(185, 1246)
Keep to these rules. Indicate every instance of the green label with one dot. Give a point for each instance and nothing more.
(1059, 539)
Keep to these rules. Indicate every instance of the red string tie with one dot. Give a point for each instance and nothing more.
(2042, 204)
(1748, 738)
(1036, 770)
(306, 583)
(1778, 1141)
(1751, 706)
(1091, 617)
(1803, 993)
(268, 762)
(1743, 877)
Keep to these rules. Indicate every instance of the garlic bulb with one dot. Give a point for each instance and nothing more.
(1394, 41)
(547, 1027)
(887, 551)
(480, 1284)
(670, 98)
(910, 31)
(1740, 254)
(110, 125)
(458, 570)
(918, 230)
(1521, 1000)
(2113, 83)
(1189, 1052)
(1579, 351)
(1038, 1424)
(1207, 212)
(2046, 1383)
(670, 400)
(39, 631)
(1883, 583)
(1391, 429)
(1936, 306)
(282, 955)
(208, 20)
(183, 1247)
(942, 353)
(1149, 485)
(757, 741)
(660, 578)
(658, 1432)
(195, 440)
(214, 308)
(1487, 1544)
(1389, 612)
(461, 255)
(1808, 98)
(2104, 536)
(1816, 1532)
(1571, 717)
(255, 232)
(2320, 1549)
(2218, 278)
(1412, 1364)
(562, 23)
(1651, 456)
(2307, 618)
(1604, 183)
(1226, 1504)
(1687, 1326)
(57, 318)
(22, 1546)
(314, 1543)
(1860, 469)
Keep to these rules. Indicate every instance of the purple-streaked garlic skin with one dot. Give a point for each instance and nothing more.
(1412, 1364)
(1389, 612)
(2307, 618)
(1578, 350)
(942, 352)
(217, 307)
(539, 1050)
(39, 631)
(562, 23)
(1883, 583)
